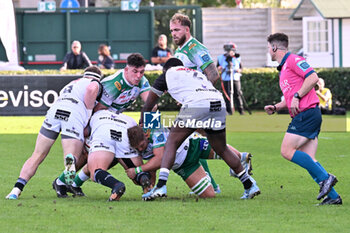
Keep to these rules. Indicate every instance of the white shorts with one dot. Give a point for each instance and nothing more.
(208, 114)
(67, 120)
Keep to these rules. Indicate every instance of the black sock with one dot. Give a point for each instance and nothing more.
(20, 183)
(161, 183)
(104, 178)
(244, 178)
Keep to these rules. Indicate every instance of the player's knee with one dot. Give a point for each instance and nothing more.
(286, 153)
(203, 188)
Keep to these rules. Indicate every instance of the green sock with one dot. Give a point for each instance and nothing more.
(77, 181)
(204, 164)
(61, 177)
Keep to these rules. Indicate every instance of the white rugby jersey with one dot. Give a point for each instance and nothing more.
(75, 90)
(186, 86)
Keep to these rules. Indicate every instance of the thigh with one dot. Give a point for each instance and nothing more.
(99, 160)
(42, 146)
(72, 146)
(199, 183)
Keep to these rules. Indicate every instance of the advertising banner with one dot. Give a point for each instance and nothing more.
(23, 95)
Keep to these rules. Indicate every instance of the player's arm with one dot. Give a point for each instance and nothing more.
(92, 90)
(212, 73)
(271, 109)
(154, 163)
(151, 166)
(309, 83)
(157, 90)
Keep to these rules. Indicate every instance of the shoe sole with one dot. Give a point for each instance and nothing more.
(331, 186)
(69, 172)
(254, 195)
(249, 162)
(117, 195)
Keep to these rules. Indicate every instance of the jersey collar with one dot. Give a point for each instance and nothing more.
(186, 42)
(279, 68)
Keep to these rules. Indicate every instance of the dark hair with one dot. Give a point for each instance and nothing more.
(93, 71)
(280, 39)
(183, 19)
(136, 60)
(171, 63)
(135, 135)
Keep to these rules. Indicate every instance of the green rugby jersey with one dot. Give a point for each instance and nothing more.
(118, 94)
(194, 55)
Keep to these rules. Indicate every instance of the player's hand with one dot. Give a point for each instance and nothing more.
(270, 109)
(294, 107)
(131, 173)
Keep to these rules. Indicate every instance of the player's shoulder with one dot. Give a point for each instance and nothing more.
(115, 76)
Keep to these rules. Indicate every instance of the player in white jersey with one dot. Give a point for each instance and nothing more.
(119, 91)
(210, 116)
(151, 146)
(68, 115)
(193, 55)
(109, 140)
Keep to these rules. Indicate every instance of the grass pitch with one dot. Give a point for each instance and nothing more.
(287, 202)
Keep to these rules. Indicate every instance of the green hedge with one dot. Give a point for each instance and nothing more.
(259, 86)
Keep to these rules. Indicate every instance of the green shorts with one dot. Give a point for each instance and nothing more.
(199, 148)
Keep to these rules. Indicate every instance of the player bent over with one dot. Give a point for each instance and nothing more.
(69, 114)
(201, 103)
(109, 140)
(187, 160)
(119, 91)
(297, 80)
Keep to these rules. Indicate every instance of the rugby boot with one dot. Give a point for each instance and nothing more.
(329, 201)
(326, 186)
(14, 194)
(61, 190)
(155, 193)
(117, 192)
(252, 191)
(76, 191)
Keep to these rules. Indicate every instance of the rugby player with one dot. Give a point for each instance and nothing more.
(69, 115)
(120, 90)
(202, 107)
(195, 147)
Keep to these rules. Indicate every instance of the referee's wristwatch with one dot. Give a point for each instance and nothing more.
(296, 95)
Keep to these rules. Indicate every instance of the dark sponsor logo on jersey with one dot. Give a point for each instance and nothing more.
(191, 46)
(116, 135)
(101, 146)
(161, 138)
(205, 57)
(130, 152)
(118, 85)
(73, 131)
(215, 106)
(71, 100)
(202, 89)
(62, 115)
(113, 119)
